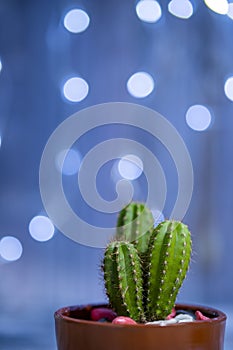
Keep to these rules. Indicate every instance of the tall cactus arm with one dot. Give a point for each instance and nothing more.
(168, 260)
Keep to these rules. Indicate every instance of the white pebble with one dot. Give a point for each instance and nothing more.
(162, 322)
(184, 318)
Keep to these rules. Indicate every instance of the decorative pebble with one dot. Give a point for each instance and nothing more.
(184, 318)
(163, 322)
(123, 320)
(172, 314)
(102, 313)
(180, 316)
(186, 312)
(155, 322)
(200, 316)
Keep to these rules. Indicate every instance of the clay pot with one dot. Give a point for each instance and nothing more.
(74, 331)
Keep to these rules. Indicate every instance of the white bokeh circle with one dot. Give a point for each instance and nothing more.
(75, 89)
(10, 248)
(76, 21)
(140, 85)
(148, 11)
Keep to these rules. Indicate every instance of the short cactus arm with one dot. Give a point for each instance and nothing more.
(169, 256)
(111, 278)
(135, 224)
(123, 279)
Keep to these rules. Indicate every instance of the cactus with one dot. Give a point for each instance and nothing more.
(123, 279)
(142, 278)
(168, 260)
(135, 224)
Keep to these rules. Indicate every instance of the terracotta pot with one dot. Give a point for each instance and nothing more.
(74, 331)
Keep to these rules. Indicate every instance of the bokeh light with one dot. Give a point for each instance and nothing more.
(218, 6)
(181, 8)
(230, 10)
(130, 167)
(41, 228)
(0, 65)
(76, 21)
(10, 248)
(140, 84)
(198, 117)
(228, 88)
(75, 89)
(158, 216)
(71, 163)
(148, 11)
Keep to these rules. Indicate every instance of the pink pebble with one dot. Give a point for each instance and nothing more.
(200, 316)
(172, 314)
(123, 320)
(102, 312)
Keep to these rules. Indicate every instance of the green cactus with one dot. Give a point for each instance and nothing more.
(142, 278)
(168, 260)
(123, 279)
(135, 224)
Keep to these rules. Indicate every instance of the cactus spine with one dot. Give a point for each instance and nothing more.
(142, 278)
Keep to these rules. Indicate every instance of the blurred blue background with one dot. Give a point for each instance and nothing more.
(59, 57)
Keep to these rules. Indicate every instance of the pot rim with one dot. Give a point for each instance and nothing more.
(217, 316)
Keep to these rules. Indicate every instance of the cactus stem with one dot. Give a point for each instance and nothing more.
(166, 258)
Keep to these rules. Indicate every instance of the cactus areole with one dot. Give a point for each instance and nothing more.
(144, 267)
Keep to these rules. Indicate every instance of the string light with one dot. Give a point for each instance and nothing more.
(10, 248)
(181, 8)
(228, 88)
(148, 11)
(75, 89)
(230, 10)
(41, 228)
(76, 21)
(198, 117)
(130, 167)
(218, 6)
(140, 84)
